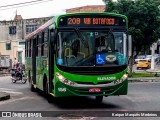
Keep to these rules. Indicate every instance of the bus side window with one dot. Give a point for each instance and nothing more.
(52, 36)
(42, 45)
(37, 46)
(52, 39)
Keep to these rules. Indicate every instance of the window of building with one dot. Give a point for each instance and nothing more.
(12, 29)
(30, 28)
(22, 43)
(8, 46)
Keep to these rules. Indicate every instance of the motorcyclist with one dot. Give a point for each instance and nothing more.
(18, 70)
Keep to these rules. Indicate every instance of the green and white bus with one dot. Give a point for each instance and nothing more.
(80, 54)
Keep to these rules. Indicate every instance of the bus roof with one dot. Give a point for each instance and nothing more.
(56, 18)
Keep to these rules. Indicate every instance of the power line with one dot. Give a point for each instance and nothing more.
(23, 3)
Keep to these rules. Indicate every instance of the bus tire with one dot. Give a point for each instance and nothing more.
(30, 83)
(48, 96)
(32, 87)
(46, 92)
(99, 99)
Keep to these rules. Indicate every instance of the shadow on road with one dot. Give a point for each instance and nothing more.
(81, 103)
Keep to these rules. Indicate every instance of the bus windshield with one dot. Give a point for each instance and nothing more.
(90, 48)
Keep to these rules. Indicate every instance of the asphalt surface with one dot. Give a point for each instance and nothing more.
(6, 96)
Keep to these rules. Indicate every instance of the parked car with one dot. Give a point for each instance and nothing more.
(144, 64)
(138, 58)
(156, 58)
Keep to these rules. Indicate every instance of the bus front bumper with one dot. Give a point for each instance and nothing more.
(109, 89)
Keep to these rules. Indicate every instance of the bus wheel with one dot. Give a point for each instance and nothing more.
(99, 99)
(31, 85)
(32, 88)
(48, 96)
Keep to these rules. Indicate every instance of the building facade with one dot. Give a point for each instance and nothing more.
(12, 34)
(88, 8)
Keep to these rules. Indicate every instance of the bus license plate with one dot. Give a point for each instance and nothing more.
(94, 90)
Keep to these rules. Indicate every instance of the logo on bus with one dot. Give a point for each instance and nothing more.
(111, 58)
(106, 78)
(62, 89)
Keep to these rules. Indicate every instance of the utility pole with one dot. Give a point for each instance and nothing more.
(152, 58)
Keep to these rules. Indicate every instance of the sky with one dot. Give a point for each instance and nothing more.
(44, 8)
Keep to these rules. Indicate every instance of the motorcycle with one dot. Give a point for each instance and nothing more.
(18, 76)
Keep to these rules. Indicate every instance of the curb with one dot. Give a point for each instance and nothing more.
(3, 75)
(148, 79)
(4, 96)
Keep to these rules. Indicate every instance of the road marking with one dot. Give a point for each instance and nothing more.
(14, 100)
(131, 99)
(6, 89)
(12, 92)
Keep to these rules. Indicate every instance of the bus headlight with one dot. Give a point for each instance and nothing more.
(125, 76)
(64, 80)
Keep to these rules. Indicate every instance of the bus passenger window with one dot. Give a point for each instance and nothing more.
(45, 49)
(52, 36)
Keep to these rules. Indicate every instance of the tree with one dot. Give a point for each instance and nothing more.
(144, 21)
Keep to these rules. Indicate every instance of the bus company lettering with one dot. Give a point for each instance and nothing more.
(106, 78)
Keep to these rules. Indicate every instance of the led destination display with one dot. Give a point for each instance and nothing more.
(98, 20)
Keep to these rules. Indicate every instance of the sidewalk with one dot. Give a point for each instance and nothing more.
(144, 79)
(4, 73)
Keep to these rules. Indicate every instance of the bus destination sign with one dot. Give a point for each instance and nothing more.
(91, 21)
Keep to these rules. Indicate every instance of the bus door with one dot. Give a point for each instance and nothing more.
(51, 59)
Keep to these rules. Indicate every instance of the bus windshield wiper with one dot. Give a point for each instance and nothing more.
(81, 37)
(110, 32)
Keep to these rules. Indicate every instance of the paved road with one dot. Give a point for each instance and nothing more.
(141, 97)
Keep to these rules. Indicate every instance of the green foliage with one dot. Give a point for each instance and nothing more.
(143, 17)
